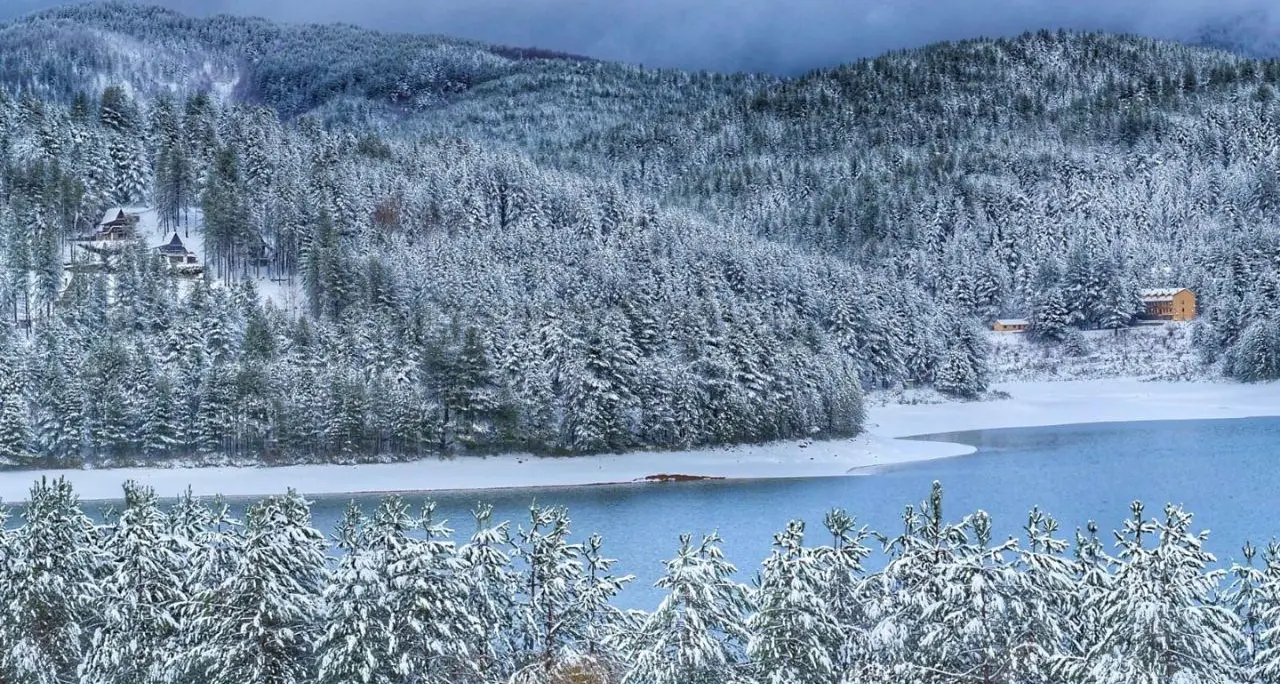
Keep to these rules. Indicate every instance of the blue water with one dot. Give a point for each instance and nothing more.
(1225, 471)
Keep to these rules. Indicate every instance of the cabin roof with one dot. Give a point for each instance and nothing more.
(1012, 321)
(112, 215)
(1163, 294)
(174, 246)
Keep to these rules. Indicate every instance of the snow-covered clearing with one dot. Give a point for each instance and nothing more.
(1035, 404)
(1030, 404)
(284, 294)
(1157, 352)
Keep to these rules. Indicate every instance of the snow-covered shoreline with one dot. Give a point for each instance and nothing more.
(1031, 404)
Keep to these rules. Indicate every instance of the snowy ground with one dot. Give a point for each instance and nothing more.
(1030, 404)
(283, 294)
(1160, 352)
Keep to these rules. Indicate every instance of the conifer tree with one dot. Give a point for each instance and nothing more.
(257, 624)
(1249, 598)
(793, 629)
(1052, 598)
(56, 594)
(551, 566)
(1050, 317)
(427, 592)
(911, 591)
(844, 592)
(1261, 627)
(353, 648)
(697, 634)
(142, 597)
(490, 595)
(15, 423)
(1161, 620)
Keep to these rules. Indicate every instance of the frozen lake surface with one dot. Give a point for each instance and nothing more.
(1225, 471)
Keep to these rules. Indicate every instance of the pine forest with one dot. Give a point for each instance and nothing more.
(189, 593)
(499, 250)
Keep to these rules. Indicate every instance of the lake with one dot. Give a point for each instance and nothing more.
(1224, 471)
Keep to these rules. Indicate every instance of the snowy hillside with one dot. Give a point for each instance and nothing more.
(1162, 352)
(468, 249)
(282, 292)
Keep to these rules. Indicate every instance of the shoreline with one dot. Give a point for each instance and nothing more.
(896, 434)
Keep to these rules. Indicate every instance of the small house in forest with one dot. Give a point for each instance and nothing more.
(258, 252)
(1010, 325)
(177, 256)
(116, 224)
(1168, 304)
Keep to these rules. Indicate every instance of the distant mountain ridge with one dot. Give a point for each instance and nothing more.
(293, 68)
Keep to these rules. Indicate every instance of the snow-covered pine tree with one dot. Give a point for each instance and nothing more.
(257, 625)
(860, 328)
(1266, 634)
(843, 590)
(923, 349)
(189, 519)
(698, 633)
(595, 618)
(1050, 316)
(1050, 594)
(356, 637)
(598, 395)
(1120, 302)
(55, 593)
(1249, 598)
(962, 371)
(9, 568)
(143, 590)
(1256, 357)
(426, 600)
(955, 375)
(551, 569)
(1162, 622)
(973, 633)
(793, 630)
(217, 543)
(15, 420)
(909, 594)
(60, 430)
(490, 596)
(1084, 624)
(1086, 281)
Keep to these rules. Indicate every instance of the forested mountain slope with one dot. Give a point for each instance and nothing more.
(1051, 175)
(346, 74)
(460, 298)
(513, 250)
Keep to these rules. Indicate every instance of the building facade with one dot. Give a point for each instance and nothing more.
(1169, 304)
(1010, 325)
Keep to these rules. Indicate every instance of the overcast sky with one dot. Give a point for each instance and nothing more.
(781, 36)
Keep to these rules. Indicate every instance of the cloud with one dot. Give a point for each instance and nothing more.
(780, 36)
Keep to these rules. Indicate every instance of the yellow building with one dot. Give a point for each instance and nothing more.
(1010, 325)
(1169, 304)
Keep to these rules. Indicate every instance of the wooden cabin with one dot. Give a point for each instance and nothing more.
(1168, 304)
(116, 224)
(1011, 325)
(176, 253)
